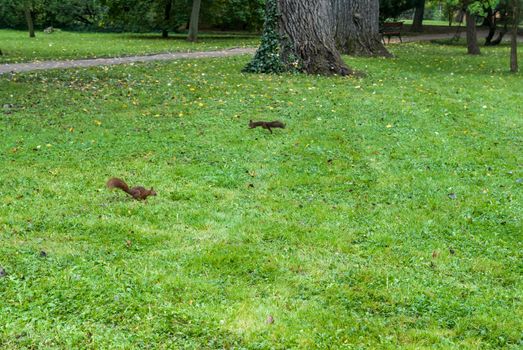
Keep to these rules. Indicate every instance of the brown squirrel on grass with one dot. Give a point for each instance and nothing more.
(138, 193)
(267, 125)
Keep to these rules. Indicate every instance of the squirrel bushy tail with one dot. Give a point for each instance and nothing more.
(139, 193)
(118, 183)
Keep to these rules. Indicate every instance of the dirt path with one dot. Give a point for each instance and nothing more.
(424, 37)
(32, 66)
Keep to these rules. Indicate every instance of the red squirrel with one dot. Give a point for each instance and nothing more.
(267, 125)
(138, 193)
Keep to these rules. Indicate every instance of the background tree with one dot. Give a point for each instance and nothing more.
(133, 15)
(450, 8)
(472, 36)
(417, 22)
(233, 14)
(29, 14)
(393, 8)
(473, 9)
(70, 14)
(357, 28)
(195, 18)
(140, 15)
(74, 14)
(496, 19)
(167, 16)
(516, 13)
(21, 13)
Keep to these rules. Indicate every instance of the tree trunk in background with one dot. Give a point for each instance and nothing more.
(460, 16)
(167, 17)
(472, 37)
(357, 28)
(307, 36)
(490, 22)
(195, 17)
(417, 23)
(514, 38)
(29, 19)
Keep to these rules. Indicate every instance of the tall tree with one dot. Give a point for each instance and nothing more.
(357, 28)
(417, 23)
(30, 22)
(195, 17)
(28, 11)
(167, 17)
(472, 37)
(514, 36)
(298, 35)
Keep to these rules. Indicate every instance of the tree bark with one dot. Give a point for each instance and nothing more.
(417, 23)
(193, 24)
(307, 37)
(166, 18)
(298, 36)
(29, 20)
(490, 22)
(514, 38)
(472, 37)
(357, 28)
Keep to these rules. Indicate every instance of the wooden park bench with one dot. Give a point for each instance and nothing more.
(389, 29)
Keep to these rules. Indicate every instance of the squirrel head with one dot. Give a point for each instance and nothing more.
(152, 192)
(250, 124)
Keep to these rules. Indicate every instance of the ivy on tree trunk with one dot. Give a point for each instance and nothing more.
(298, 36)
(267, 57)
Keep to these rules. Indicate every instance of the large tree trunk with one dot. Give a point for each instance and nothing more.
(357, 28)
(514, 38)
(29, 19)
(166, 18)
(472, 37)
(306, 31)
(195, 17)
(417, 23)
(298, 36)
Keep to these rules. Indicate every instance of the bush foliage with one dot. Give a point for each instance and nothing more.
(132, 15)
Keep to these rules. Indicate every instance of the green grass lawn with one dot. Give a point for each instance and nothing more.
(432, 22)
(18, 47)
(388, 214)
